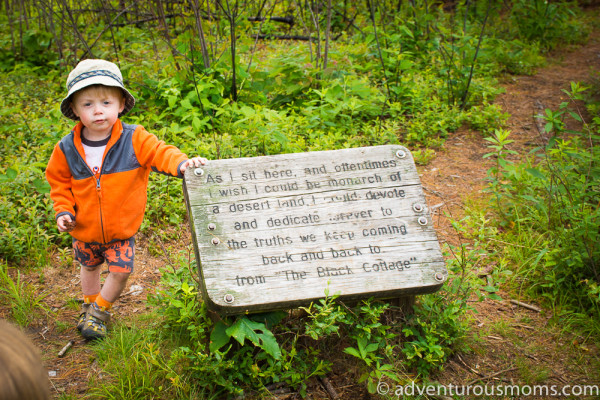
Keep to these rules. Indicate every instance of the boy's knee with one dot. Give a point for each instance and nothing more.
(120, 276)
(89, 268)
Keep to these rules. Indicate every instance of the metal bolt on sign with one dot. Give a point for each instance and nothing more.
(418, 207)
(229, 298)
(422, 221)
(198, 172)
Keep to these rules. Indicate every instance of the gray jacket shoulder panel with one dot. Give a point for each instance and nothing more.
(77, 165)
(121, 156)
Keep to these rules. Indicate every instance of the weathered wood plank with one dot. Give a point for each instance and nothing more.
(278, 231)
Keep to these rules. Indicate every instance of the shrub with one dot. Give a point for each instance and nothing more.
(554, 197)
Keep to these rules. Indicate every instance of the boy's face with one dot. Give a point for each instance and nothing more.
(98, 109)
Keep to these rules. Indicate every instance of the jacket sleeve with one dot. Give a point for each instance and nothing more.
(58, 176)
(156, 154)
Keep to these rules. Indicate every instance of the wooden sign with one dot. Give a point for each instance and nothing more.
(276, 232)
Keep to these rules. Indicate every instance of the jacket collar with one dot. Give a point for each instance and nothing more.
(117, 130)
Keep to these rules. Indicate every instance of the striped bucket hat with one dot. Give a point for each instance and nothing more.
(94, 72)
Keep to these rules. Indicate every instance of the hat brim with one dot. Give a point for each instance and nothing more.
(65, 105)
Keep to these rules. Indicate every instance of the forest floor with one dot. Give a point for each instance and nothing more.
(509, 344)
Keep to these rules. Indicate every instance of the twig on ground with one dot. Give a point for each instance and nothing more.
(524, 326)
(65, 349)
(280, 391)
(133, 290)
(329, 388)
(485, 378)
(437, 193)
(532, 357)
(435, 207)
(469, 368)
(558, 377)
(44, 331)
(525, 305)
(53, 386)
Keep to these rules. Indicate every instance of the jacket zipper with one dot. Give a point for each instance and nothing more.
(99, 193)
(98, 189)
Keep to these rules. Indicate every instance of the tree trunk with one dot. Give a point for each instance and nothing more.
(327, 34)
(196, 9)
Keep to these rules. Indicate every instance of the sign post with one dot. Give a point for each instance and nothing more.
(276, 232)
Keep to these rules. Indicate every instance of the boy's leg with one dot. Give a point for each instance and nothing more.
(90, 260)
(113, 287)
(119, 257)
(90, 281)
(90, 286)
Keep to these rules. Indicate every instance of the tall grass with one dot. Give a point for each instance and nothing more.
(24, 300)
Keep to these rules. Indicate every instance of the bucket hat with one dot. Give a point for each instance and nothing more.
(94, 72)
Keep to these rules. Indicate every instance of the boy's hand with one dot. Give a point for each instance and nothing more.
(65, 223)
(193, 162)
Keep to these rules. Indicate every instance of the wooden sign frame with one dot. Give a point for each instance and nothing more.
(276, 232)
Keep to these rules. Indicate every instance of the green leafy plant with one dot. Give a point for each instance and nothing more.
(34, 50)
(245, 328)
(513, 56)
(325, 317)
(234, 354)
(376, 370)
(499, 143)
(374, 345)
(550, 205)
(547, 23)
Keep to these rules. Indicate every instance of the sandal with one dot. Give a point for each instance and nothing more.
(94, 326)
(83, 315)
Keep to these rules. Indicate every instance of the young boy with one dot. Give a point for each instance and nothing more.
(98, 176)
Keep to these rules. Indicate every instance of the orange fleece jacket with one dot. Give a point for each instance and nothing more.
(110, 205)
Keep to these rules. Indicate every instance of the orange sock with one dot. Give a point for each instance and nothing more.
(91, 298)
(102, 303)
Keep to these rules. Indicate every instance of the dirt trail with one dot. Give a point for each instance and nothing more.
(458, 172)
(513, 342)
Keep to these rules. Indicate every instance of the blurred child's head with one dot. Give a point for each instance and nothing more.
(22, 375)
(100, 74)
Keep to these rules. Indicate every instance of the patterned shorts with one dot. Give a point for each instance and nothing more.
(118, 254)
